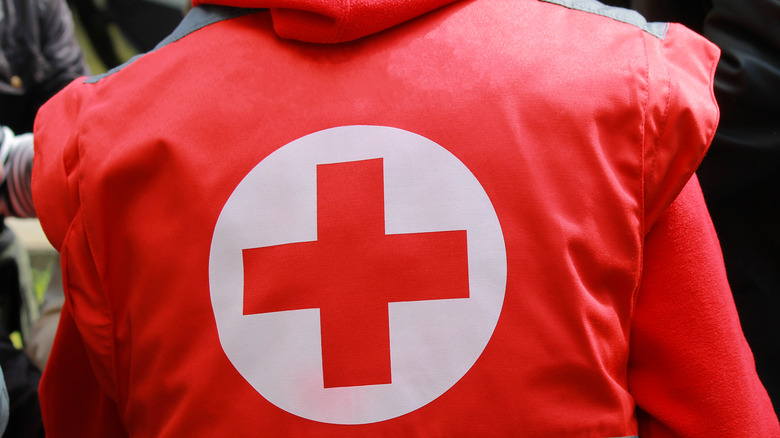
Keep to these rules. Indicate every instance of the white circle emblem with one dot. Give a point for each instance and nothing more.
(433, 340)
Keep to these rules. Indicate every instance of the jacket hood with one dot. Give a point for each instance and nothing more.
(333, 21)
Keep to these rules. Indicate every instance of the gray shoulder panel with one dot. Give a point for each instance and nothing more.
(198, 18)
(628, 16)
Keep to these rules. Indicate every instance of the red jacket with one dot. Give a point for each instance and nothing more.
(390, 218)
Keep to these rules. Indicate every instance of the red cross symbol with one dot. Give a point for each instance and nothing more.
(353, 271)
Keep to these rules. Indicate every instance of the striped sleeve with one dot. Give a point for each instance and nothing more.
(16, 153)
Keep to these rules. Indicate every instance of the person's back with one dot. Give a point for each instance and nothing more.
(376, 224)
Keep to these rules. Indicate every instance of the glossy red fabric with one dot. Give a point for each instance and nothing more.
(580, 129)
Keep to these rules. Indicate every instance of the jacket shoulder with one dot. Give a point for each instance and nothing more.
(623, 15)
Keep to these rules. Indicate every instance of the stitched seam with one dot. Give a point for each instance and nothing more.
(663, 124)
(642, 184)
(121, 403)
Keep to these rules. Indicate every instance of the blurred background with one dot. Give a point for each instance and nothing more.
(110, 32)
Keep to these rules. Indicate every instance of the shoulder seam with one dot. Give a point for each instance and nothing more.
(628, 16)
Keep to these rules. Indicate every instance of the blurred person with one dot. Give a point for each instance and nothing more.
(21, 385)
(39, 55)
(3, 404)
(393, 218)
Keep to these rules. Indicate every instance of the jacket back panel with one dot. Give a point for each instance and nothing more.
(540, 154)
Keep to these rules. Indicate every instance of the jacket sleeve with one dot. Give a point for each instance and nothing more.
(690, 370)
(740, 175)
